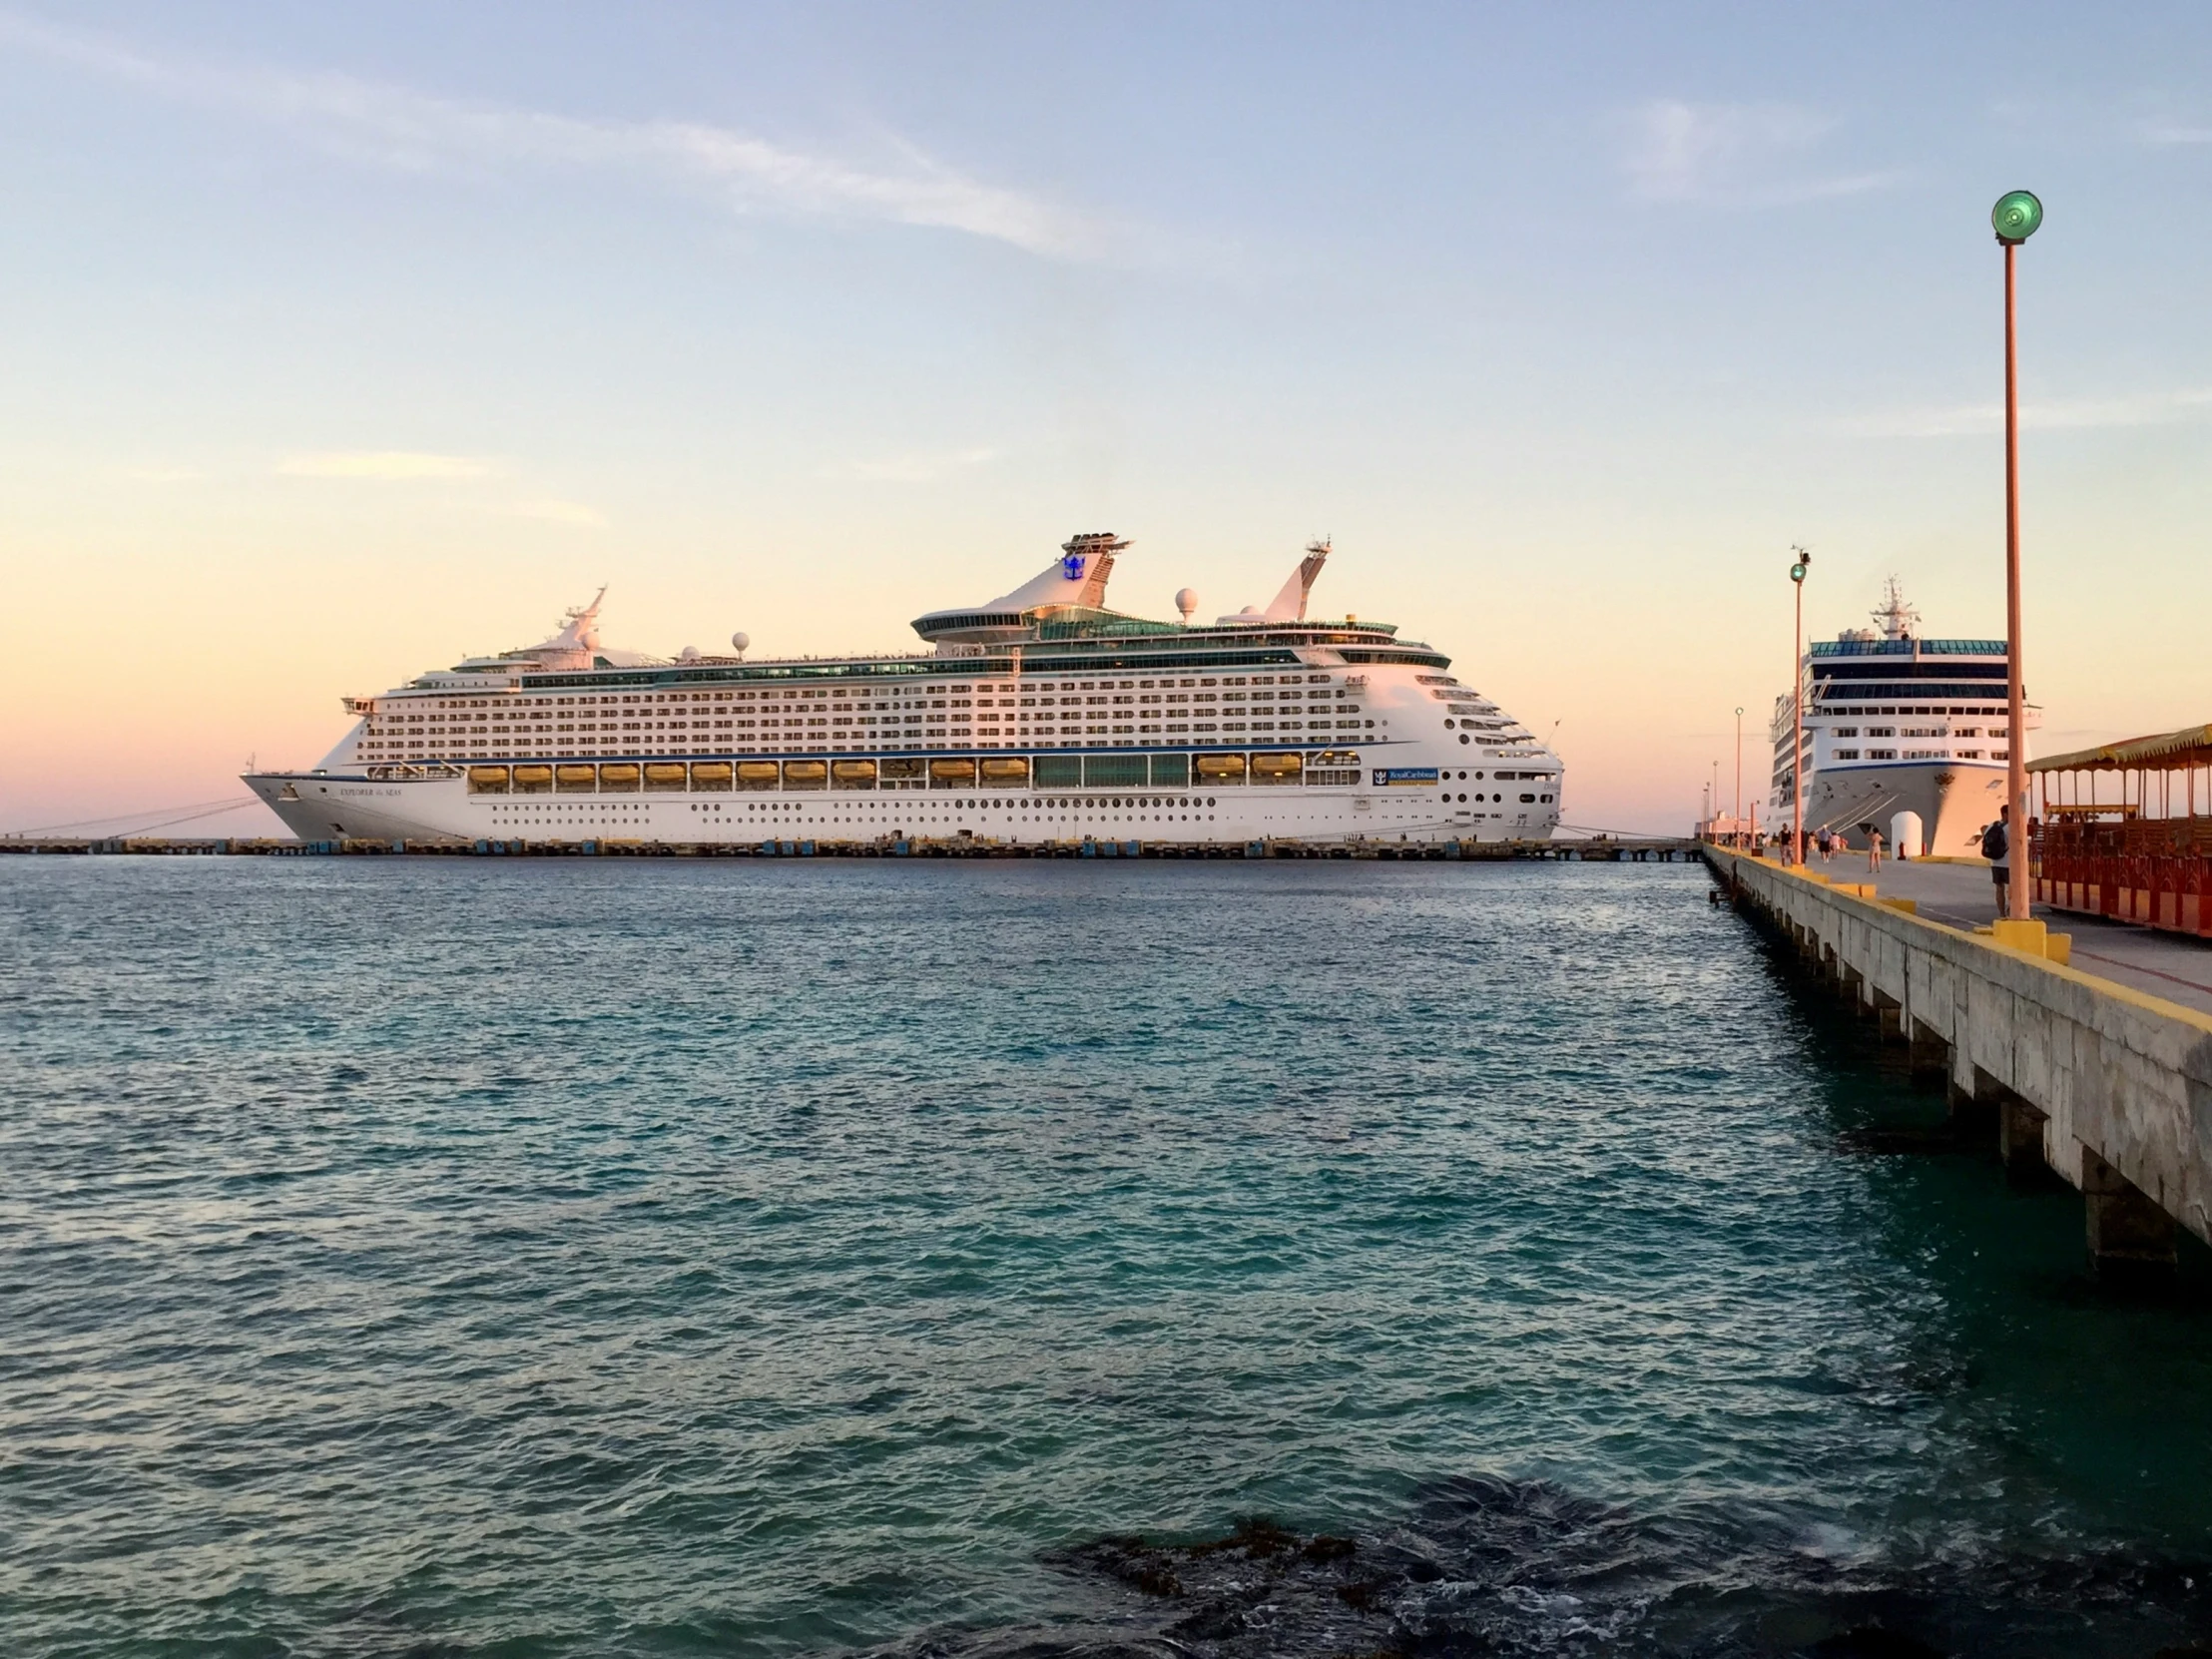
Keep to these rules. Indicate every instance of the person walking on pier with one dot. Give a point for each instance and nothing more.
(1874, 850)
(1997, 847)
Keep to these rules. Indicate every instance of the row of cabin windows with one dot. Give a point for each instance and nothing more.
(748, 719)
(957, 697)
(847, 701)
(434, 725)
(1922, 755)
(1919, 732)
(1346, 715)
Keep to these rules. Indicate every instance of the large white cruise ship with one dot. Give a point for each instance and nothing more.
(1897, 724)
(1041, 716)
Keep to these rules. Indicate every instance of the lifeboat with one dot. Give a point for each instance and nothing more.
(806, 775)
(853, 774)
(952, 774)
(757, 774)
(487, 779)
(534, 779)
(711, 775)
(1277, 769)
(666, 774)
(1221, 769)
(902, 769)
(618, 778)
(575, 779)
(1006, 771)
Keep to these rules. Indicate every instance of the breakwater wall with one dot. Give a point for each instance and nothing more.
(2107, 1087)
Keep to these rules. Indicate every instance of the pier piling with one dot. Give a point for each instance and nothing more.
(2103, 1086)
(2130, 1236)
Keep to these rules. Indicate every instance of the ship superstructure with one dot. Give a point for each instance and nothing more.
(1042, 716)
(1895, 723)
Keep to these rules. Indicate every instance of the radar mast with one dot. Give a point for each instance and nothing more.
(1898, 621)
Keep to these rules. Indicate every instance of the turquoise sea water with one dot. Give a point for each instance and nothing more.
(573, 1257)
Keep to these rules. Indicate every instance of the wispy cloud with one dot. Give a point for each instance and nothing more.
(911, 469)
(2172, 132)
(560, 512)
(396, 126)
(2159, 409)
(1735, 154)
(384, 464)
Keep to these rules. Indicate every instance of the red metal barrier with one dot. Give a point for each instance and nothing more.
(2156, 871)
(2122, 834)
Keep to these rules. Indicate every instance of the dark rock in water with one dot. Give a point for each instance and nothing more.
(1526, 1570)
(1871, 1641)
(1258, 1589)
(1072, 1643)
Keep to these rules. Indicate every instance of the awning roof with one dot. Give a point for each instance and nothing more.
(2165, 752)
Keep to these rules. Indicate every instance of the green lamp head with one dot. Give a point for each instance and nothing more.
(1798, 570)
(2017, 216)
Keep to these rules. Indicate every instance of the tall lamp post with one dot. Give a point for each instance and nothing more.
(2014, 218)
(1738, 760)
(1796, 710)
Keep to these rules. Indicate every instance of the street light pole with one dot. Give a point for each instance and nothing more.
(2014, 218)
(1738, 760)
(1797, 710)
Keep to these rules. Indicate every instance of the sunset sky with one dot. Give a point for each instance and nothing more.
(342, 343)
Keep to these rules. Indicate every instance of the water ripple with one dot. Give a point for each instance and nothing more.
(521, 1257)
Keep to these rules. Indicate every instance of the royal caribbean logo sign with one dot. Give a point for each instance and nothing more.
(1387, 776)
(1072, 567)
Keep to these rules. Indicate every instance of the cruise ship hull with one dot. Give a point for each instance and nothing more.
(1956, 800)
(1039, 716)
(1395, 802)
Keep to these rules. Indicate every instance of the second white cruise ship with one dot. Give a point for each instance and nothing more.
(1039, 716)
(1898, 725)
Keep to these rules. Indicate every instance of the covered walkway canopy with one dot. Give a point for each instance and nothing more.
(2165, 752)
(2145, 856)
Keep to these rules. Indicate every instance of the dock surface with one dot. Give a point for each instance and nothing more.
(2170, 965)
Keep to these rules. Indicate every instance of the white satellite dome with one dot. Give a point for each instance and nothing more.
(1186, 601)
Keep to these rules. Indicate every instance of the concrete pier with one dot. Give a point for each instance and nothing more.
(2107, 1085)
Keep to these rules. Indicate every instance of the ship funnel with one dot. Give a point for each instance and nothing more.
(1290, 604)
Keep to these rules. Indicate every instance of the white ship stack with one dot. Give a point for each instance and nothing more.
(1041, 716)
(1897, 724)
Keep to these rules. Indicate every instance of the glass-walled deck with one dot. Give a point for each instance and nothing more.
(1121, 769)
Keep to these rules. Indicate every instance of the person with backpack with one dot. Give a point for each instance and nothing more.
(1997, 847)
